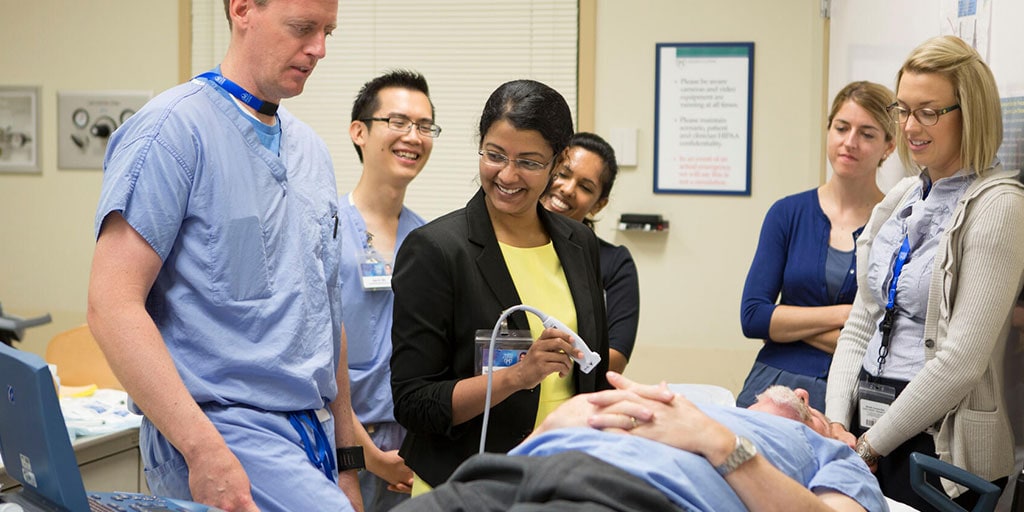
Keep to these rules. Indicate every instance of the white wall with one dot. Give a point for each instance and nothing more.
(46, 219)
(691, 278)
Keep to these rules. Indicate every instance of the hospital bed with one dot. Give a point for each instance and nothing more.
(920, 464)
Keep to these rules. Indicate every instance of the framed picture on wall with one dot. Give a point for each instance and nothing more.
(702, 118)
(19, 129)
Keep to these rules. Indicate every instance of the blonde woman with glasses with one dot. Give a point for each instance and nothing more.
(457, 274)
(919, 362)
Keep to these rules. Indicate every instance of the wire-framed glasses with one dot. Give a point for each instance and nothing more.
(404, 125)
(499, 161)
(924, 116)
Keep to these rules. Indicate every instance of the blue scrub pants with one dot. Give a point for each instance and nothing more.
(283, 478)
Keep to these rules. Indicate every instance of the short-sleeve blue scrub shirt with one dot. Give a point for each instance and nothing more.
(248, 299)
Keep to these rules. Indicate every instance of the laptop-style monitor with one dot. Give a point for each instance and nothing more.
(36, 448)
(34, 441)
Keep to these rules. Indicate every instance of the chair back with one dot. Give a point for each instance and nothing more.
(79, 360)
(921, 464)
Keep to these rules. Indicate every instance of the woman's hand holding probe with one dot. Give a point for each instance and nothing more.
(549, 354)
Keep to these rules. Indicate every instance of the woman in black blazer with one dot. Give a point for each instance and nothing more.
(458, 273)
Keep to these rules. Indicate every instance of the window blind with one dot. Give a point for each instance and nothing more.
(465, 49)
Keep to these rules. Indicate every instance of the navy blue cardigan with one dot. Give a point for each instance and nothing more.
(790, 260)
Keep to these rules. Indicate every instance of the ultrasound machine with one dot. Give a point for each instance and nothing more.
(36, 449)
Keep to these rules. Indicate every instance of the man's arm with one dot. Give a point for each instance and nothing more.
(344, 433)
(124, 268)
(387, 465)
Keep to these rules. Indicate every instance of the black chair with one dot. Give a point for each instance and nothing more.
(921, 464)
(1018, 495)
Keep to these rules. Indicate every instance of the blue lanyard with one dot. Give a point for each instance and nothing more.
(263, 107)
(890, 307)
(318, 451)
(897, 269)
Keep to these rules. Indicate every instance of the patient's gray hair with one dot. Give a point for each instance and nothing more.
(785, 397)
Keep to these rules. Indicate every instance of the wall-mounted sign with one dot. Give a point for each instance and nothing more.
(702, 118)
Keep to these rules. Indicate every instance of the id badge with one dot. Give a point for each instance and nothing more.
(872, 402)
(510, 347)
(375, 274)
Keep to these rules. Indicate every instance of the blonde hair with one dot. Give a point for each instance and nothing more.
(976, 93)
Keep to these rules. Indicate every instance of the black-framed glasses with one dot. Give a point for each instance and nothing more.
(499, 161)
(404, 125)
(925, 116)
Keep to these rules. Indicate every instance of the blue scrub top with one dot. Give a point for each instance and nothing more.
(248, 299)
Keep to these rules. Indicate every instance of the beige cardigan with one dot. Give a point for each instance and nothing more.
(979, 270)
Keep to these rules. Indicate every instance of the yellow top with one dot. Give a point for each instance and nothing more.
(540, 281)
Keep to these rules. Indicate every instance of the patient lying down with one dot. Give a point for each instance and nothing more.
(642, 448)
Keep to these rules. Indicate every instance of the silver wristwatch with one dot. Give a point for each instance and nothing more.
(865, 452)
(744, 451)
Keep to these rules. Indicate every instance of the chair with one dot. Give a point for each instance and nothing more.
(921, 464)
(79, 360)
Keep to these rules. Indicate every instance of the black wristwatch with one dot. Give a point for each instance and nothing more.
(350, 457)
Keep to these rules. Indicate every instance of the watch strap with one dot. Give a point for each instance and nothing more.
(350, 457)
(744, 451)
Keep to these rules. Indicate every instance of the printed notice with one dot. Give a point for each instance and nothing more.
(703, 118)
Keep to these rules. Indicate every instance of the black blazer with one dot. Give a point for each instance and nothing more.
(451, 280)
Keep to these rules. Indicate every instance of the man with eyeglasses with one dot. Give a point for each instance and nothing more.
(393, 132)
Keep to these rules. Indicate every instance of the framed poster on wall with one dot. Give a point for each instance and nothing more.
(702, 118)
(19, 129)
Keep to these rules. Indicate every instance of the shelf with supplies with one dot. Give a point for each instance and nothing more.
(642, 222)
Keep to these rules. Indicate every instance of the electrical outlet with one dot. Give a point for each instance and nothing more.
(87, 119)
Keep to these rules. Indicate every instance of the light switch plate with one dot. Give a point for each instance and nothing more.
(85, 121)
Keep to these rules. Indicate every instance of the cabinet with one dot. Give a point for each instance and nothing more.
(109, 463)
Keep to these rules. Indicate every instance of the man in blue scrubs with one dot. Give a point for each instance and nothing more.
(393, 132)
(215, 292)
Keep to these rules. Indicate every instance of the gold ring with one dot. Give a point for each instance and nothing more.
(633, 419)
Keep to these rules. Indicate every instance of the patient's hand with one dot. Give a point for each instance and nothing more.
(609, 409)
(674, 421)
(658, 392)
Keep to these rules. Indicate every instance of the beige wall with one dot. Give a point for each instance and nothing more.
(46, 219)
(691, 277)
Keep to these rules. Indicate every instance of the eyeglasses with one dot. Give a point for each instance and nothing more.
(404, 125)
(499, 161)
(925, 116)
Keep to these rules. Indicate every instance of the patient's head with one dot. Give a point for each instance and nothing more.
(793, 404)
